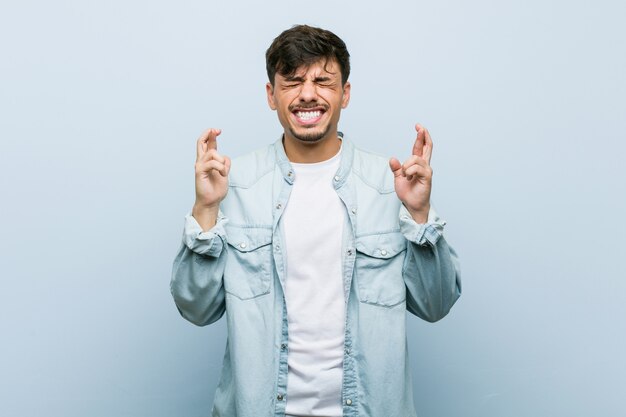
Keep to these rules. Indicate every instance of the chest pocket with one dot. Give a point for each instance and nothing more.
(379, 261)
(247, 273)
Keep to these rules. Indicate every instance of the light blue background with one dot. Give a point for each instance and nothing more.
(100, 107)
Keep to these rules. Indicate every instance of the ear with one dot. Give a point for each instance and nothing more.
(346, 95)
(269, 89)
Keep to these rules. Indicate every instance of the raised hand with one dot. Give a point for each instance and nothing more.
(413, 178)
(211, 179)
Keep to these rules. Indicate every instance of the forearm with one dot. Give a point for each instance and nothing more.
(432, 278)
(431, 269)
(197, 274)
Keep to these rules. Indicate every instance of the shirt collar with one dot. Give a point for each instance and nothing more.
(347, 152)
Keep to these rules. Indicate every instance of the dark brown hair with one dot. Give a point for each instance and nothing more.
(304, 45)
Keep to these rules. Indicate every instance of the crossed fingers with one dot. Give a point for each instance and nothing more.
(208, 159)
(423, 145)
(418, 164)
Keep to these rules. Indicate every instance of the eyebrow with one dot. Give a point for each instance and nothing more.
(301, 79)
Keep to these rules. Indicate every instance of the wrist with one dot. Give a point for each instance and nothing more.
(420, 215)
(205, 208)
(206, 216)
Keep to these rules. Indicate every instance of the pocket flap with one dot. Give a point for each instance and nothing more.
(249, 238)
(383, 246)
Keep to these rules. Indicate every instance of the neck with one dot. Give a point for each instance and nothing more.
(302, 152)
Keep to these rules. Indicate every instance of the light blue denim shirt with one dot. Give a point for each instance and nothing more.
(391, 264)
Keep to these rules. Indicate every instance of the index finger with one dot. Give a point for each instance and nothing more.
(428, 146)
(212, 140)
(418, 146)
(208, 140)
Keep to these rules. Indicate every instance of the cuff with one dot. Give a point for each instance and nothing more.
(211, 242)
(421, 234)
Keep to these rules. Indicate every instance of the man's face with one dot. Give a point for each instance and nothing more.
(309, 102)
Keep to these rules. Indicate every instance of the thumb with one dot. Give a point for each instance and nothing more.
(396, 167)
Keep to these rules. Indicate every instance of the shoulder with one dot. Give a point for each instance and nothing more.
(249, 168)
(373, 170)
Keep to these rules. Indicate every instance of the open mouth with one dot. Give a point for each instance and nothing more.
(308, 116)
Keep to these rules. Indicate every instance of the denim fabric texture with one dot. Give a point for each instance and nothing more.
(391, 265)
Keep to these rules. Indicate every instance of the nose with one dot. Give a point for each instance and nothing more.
(308, 92)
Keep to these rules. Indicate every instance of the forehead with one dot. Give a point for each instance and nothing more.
(328, 68)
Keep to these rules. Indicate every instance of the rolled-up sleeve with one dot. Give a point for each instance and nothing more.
(431, 269)
(209, 243)
(198, 270)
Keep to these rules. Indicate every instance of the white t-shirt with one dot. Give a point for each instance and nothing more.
(313, 226)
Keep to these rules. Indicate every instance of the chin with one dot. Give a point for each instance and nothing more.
(310, 136)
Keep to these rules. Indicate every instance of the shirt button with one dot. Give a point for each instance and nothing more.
(336, 178)
(347, 351)
(242, 245)
(279, 397)
(279, 206)
(348, 401)
(277, 247)
(383, 252)
(283, 346)
(349, 252)
(353, 211)
(290, 173)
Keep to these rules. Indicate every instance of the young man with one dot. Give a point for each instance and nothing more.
(315, 250)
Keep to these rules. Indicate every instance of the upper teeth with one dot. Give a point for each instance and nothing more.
(308, 114)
